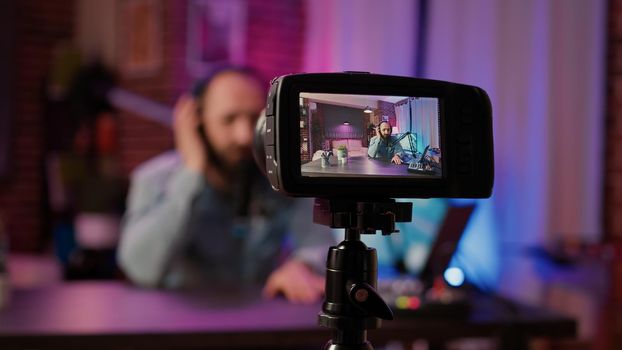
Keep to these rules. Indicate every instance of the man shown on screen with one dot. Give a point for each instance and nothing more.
(384, 146)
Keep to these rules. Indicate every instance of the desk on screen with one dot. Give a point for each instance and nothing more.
(358, 166)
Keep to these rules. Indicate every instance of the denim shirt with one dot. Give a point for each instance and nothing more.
(179, 232)
(378, 149)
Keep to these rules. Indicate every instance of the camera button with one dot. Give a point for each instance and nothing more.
(272, 167)
(269, 136)
(271, 102)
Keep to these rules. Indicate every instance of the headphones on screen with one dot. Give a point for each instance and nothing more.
(382, 122)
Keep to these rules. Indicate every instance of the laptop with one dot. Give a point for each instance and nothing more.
(424, 293)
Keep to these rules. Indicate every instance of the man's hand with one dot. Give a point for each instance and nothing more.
(187, 140)
(396, 159)
(296, 281)
(378, 132)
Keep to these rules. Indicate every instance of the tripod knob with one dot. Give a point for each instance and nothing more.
(366, 298)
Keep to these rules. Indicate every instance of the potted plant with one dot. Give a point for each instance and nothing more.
(342, 154)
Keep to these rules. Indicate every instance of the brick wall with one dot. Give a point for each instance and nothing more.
(274, 46)
(276, 32)
(39, 25)
(139, 138)
(386, 109)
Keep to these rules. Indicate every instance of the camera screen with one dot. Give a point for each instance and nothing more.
(343, 135)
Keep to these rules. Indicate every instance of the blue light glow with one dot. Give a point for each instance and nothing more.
(454, 276)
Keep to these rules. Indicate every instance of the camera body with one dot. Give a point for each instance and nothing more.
(442, 137)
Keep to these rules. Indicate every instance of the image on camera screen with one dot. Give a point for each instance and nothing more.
(343, 135)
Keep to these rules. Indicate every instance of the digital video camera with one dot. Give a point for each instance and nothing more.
(362, 135)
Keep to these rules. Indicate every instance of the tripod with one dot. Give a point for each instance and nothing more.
(352, 305)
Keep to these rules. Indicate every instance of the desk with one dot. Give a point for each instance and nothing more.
(104, 315)
(360, 166)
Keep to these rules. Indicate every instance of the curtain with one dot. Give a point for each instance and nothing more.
(402, 116)
(424, 111)
(360, 35)
(542, 64)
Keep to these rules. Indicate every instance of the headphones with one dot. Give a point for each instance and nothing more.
(382, 122)
(198, 88)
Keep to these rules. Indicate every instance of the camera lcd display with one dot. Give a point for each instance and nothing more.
(347, 135)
